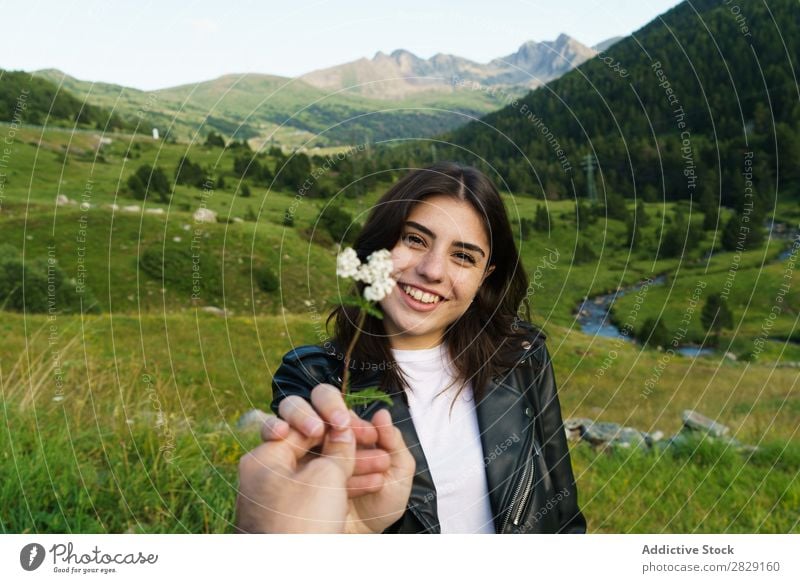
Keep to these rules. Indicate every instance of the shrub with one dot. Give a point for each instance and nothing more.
(149, 180)
(215, 140)
(46, 286)
(181, 269)
(339, 223)
(266, 279)
(654, 333)
(583, 253)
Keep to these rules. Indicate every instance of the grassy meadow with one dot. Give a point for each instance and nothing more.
(123, 418)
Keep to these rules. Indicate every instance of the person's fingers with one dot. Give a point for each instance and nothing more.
(339, 448)
(366, 434)
(391, 440)
(329, 404)
(274, 429)
(300, 415)
(367, 484)
(284, 452)
(371, 461)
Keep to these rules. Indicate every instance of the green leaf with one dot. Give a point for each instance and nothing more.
(373, 310)
(366, 397)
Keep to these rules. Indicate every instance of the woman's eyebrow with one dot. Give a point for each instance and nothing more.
(432, 235)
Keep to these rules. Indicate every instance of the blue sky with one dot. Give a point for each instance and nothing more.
(150, 45)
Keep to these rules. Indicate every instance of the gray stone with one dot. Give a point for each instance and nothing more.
(214, 310)
(204, 215)
(574, 427)
(653, 438)
(612, 434)
(694, 421)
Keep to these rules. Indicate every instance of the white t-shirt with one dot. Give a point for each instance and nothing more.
(450, 439)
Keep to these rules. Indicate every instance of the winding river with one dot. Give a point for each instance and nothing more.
(594, 313)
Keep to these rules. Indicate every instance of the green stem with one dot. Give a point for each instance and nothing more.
(362, 314)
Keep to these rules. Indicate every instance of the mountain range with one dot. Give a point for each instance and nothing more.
(402, 73)
(386, 97)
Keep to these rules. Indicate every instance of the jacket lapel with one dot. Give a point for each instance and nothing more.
(422, 501)
(502, 421)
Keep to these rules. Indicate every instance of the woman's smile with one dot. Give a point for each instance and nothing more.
(440, 262)
(419, 300)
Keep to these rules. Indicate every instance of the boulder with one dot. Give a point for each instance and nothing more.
(694, 421)
(612, 434)
(214, 310)
(204, 215)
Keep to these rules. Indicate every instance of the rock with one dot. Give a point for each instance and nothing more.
(598, 432)
(653, 438)
(252, 420)
(214, 310)
(204, 215)
(574, 427)
(730, 356)
(114, 207)
(694, 421)
(155, 211)
(131, 208)
(238, 220)
(62, 200)
(611, 434)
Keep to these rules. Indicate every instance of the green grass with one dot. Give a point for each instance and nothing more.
(94, 461)
(78, 465)
(702, 487)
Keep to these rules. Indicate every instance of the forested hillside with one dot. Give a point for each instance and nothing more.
(679, 110)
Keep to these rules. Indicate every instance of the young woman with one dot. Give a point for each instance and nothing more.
(472, 384)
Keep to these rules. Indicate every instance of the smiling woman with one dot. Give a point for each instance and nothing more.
(471, 383)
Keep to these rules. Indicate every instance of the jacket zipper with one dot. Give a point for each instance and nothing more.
(523, 490)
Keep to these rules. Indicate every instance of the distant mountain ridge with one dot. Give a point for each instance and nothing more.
(387, 97)
(402, 73)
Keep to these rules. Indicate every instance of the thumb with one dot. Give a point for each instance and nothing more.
(340, 448)
(390, 439)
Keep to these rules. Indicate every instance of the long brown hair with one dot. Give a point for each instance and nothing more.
(478, 341)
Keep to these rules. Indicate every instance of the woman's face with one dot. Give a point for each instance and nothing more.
(440, 262)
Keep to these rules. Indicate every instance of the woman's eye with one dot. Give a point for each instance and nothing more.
(466, 257)
(414, 239)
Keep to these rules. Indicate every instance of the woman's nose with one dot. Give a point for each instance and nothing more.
(431, 266)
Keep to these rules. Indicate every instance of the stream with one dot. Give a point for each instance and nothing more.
(594, 313)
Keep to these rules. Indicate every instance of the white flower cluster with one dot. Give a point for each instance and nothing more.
(376, 272)
(347, 263)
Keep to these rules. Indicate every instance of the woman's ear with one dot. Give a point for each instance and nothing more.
(489, 271)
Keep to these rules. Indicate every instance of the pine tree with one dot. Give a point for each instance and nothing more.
(716, 315)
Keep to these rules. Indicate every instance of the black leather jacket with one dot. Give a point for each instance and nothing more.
(530, 479)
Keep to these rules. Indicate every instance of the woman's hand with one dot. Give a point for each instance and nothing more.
(384, 468)
(374, 512)
(327, 408)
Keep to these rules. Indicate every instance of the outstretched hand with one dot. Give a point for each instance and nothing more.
(284, 488)
(383, 471)
(377, 509)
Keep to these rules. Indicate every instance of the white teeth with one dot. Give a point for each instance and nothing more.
(421, 296)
